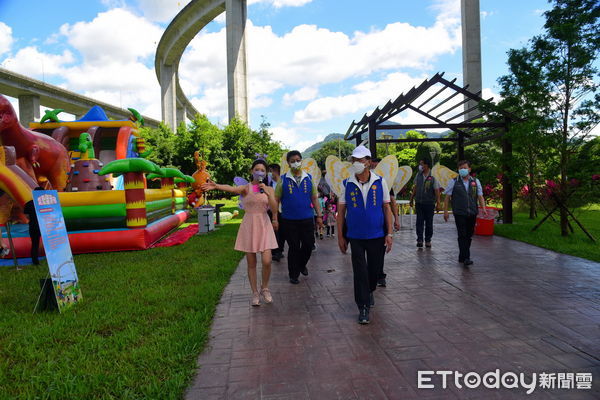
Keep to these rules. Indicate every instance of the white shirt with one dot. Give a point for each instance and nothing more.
(450, 187)
(364, 188)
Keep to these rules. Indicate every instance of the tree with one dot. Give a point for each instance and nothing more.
(200, 135)
(567, 54)
(339, 148)
(162, 143)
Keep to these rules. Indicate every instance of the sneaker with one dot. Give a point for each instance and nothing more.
(372, 299)
(255, 301)
(294, 281)
(266, 294)
(304, 271)
(363, 316)
(428, 245)
(468, 262)
(419, 244)
(381, 282)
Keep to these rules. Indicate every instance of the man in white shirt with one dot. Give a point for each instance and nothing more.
(364, 206)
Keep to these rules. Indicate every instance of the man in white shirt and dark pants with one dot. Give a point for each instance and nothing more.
(464, 192)
(364, 206)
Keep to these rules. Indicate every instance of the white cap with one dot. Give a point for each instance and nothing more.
(361, 152)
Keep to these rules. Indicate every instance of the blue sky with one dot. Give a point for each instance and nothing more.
(314, 66)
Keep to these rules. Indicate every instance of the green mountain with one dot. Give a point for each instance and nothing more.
(394, 133)
(332, 136)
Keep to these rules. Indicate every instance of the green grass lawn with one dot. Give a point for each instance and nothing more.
(144, 319)
(548, 235)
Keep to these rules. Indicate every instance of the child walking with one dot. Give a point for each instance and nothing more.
(330, 219)
(256, 233)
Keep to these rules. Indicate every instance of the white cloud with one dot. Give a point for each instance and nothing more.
(365, 97)
(113, 35)
(281, 3)
(303, 94)
(161, 10)
(309, 56)
(6, 38)
(292, 138)
(32, 62)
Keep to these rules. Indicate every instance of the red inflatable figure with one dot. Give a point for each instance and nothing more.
(42, 157)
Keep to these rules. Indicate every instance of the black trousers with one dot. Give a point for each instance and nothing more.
(300, 238)
(278, 235)
(35, 245)
(465, 226)
(367, 264)
(425, 217)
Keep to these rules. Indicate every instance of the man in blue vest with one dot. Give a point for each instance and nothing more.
(464, 193)
(298, 196)
(364, 206)
(426, 192)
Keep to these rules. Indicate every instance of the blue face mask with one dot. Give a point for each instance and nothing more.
(463, 172)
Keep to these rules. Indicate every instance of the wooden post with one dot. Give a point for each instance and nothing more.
(460, 151)
(358, 139)
(507, 188)
(373, 138)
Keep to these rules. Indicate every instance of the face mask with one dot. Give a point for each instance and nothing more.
(463, 172)
(296, 165)
(420, 168)
(258, 175)
(358, 167)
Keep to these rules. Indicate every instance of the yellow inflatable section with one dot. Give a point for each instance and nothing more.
(12, 183)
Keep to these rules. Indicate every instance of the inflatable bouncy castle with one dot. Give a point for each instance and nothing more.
(95, 165)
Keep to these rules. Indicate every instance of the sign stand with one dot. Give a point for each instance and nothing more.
(63, 281)
(12, 246)
(48, 300)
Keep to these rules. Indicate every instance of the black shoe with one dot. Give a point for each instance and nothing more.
(277, 257)
(304, 271)
(468, 262)
(363, 316)
(419, 244)
(35, 262)
(294, 281)
(381, 282)
(428, 245)
(372, 299)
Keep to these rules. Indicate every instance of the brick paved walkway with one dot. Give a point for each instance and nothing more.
(519, 308)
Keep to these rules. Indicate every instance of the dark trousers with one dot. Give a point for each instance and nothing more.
(465, 226)
(424, 217)
(300, 239)
(278, 235)
(35, 245)
(367, 264)
(331, 229)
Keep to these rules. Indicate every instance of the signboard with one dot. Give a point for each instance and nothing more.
(57, 248)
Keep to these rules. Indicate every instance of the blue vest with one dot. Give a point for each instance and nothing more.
(296, 200)
(364, 222)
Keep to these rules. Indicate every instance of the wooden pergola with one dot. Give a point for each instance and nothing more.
(440, 101)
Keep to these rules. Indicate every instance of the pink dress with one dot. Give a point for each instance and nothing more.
(256, 232)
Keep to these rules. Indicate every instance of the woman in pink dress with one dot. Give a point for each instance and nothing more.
(256, 233)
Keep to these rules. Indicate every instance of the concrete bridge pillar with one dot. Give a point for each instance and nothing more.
(471, 49)
(29, 109)
(181, 113)
(236, 11)
(168, 89)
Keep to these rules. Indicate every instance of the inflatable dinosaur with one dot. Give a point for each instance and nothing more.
(42, 157)
(201, 176)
